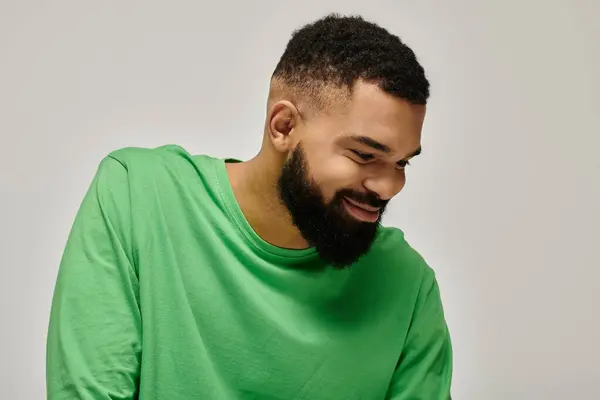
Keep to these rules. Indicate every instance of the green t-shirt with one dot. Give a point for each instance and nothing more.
(165, 292)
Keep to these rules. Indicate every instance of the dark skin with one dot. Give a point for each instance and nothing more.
(363, 142)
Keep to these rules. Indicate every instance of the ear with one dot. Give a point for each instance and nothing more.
(283, 119)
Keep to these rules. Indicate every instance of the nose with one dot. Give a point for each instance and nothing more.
(386, 185)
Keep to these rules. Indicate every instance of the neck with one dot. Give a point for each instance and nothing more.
(254, 184)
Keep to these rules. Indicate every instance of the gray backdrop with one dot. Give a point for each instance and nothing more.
(504, 203)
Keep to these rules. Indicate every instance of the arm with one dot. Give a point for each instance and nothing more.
(94, 335)
(424, 371)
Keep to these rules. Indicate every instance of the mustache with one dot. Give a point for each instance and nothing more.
(368, 198)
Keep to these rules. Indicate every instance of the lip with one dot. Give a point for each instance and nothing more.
(361, 212)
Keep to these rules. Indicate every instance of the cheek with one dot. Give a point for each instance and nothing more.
(338, 172)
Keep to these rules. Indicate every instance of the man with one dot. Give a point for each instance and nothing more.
(192, 277)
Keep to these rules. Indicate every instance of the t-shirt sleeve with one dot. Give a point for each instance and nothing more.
(94, 335)
(424, 371)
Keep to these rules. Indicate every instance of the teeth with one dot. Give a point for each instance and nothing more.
(362, 207)
(366, 209)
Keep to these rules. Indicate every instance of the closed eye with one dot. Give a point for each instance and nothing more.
(367, 157)
(363, 156)
(402, 164)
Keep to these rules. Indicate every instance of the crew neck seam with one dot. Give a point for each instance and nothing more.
(236, 214)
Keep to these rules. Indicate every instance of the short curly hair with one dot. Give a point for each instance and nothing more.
(340, 50)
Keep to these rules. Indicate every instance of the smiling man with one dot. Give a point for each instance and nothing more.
(193, 277)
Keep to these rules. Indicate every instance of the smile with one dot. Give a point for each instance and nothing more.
(361, 212)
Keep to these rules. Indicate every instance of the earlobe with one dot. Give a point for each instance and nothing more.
(283, 119)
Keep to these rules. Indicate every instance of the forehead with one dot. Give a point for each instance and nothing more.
(373, 113)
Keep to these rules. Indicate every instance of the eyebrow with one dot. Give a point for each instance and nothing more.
(374, 144)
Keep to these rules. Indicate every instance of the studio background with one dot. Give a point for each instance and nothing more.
(504, 203)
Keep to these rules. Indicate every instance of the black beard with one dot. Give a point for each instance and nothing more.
(339, 239)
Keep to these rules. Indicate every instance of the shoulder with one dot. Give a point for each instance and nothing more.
(119, 166)
(131, 157)
(167, 161)
(392, 251)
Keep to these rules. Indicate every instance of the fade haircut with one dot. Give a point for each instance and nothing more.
(325, 59)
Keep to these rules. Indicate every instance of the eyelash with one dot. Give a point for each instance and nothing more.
(366, 157)
(405, 162)
(363, 156)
